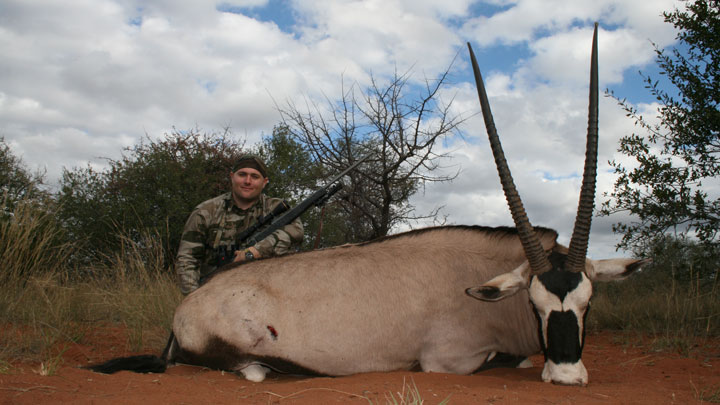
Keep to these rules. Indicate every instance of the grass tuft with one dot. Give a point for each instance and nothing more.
(408, 395)
(50, 366)
(44, 304)
(6, 368)
(708, 394)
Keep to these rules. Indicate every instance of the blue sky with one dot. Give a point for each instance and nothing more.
(278, 12)
(80, 80)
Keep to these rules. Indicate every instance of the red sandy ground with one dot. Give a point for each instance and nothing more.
(618, 375)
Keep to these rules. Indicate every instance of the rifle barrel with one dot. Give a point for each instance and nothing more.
(314, 199)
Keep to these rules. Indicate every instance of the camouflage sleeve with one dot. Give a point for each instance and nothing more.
(280, 241)
(191, 252)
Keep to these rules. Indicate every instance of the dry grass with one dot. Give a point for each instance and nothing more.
(45, 305)
(707, 394)
(408, 395)
(674, 315)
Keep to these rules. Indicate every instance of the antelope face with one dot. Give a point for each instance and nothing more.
(561, 300)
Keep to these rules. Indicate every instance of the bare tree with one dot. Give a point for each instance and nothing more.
(399, 125)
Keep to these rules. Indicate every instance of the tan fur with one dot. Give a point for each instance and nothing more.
(379, 306)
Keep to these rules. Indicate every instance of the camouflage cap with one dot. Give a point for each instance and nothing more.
(252, 162)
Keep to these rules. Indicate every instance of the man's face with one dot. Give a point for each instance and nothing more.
(247, 184)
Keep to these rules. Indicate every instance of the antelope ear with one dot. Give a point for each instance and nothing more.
(502, 286)
(613, 269)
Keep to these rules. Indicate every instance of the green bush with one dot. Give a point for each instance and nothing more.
(153, 188)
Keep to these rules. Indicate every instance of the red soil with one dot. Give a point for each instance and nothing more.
(618, 375)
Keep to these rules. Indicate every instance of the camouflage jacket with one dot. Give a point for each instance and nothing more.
(202, 235)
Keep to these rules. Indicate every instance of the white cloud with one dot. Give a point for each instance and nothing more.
(82, 79)
(565, 57)
(377, 34)
(245, 3)
(528, 19)
(443, 9)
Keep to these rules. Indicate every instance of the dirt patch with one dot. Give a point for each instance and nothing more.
(618, 374)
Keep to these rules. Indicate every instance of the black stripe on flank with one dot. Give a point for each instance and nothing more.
(501, 360)
(144, 363)
(220, 355)
(284, 366)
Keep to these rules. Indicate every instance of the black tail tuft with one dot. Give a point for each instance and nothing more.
(145, 363)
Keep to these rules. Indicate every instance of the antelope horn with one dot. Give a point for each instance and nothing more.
(534, 251)
(577, 251)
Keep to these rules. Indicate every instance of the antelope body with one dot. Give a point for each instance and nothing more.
(392, 304)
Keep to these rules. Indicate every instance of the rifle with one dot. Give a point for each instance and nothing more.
(318, 198)
(226, 254)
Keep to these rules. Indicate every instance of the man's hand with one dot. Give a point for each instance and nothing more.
(241, 255)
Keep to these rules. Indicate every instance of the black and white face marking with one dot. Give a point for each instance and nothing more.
(560, 299)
